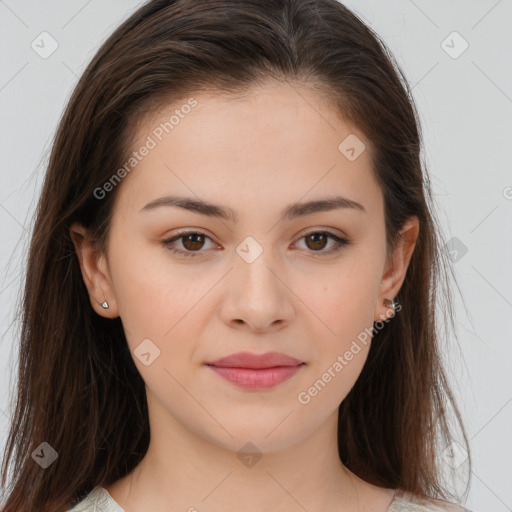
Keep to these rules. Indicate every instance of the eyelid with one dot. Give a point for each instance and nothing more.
(341, 241)
(324, 229)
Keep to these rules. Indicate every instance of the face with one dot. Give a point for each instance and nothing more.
(269, 276)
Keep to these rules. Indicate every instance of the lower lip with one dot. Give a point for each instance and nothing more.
(252, 378)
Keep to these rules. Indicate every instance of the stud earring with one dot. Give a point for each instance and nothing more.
(104, 304)
(393, 303)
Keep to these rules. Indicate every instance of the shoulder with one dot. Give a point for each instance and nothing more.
(98, 500)
(407, 502)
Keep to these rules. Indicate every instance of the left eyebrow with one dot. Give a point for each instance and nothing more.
(291, 212)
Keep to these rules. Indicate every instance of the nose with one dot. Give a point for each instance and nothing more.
(257, 297)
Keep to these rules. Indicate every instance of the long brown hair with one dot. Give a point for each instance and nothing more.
(78, 388)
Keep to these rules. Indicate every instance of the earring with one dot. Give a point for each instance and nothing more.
(393, 303)
(104, 304)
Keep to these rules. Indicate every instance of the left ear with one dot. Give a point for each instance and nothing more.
(396, 266)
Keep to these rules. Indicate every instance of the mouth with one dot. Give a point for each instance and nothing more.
(256, 361)
(256, 378)
(256, 371)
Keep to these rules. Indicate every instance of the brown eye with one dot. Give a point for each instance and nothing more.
(318, 241)
(193, 241)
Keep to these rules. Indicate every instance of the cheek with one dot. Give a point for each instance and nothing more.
(330, 383)
(157, 299)
(343, 340)
(345, 302)
(161, 311)
(345, 308)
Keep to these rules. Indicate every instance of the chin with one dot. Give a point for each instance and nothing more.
(255, 434)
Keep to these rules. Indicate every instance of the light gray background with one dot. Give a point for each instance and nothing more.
(466, 108)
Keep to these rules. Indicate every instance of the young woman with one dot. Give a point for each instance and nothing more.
(231, 298)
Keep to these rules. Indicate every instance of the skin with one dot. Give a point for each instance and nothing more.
(257, 155)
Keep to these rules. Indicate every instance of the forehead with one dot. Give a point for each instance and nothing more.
(280, 140)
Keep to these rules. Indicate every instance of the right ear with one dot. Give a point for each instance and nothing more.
(95, 273)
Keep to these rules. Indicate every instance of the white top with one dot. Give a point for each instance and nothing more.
(99, 500)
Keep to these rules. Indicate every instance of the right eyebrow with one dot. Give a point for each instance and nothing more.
(291, 212)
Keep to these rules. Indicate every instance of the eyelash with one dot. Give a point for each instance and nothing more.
(341, 243)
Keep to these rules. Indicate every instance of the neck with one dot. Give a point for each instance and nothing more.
(183, 470)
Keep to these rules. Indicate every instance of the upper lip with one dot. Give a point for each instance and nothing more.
(250, 360)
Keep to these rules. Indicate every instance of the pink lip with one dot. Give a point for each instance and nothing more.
(256, 371)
